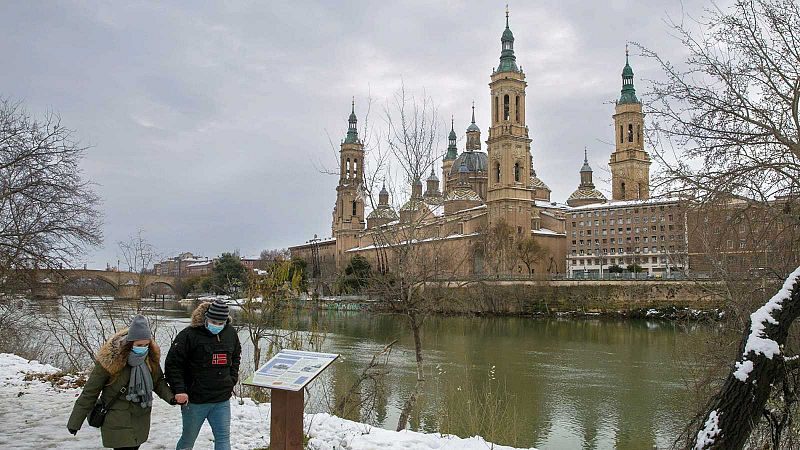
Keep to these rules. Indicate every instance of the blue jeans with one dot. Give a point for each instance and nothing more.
(219, 417)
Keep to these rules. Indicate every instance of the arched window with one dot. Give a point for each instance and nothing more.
(506, 108)
(622, 190)
(630, 132)
(354, 207)
(516, 109)
(621, 135)
(496, 116)
(348, 168)
(516, 171)
(355, 168)
(497, 173)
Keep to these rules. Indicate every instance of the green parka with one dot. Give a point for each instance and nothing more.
(127, 424)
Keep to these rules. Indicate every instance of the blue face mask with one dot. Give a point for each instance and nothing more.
(214, 329)
(139, 350)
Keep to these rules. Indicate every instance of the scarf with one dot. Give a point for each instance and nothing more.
(140, 385)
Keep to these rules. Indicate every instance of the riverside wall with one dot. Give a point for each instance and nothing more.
(578, 296)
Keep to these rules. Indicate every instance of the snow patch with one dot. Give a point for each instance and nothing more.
(35, 416)
(757, 342)
(705, 437)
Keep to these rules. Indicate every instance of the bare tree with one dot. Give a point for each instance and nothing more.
(48, 212)
(138, 256)
(726, 132)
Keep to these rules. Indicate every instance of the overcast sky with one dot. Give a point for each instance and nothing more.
(208, 122)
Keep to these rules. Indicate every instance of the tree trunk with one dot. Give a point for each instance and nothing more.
(735, 410)
(411, 401)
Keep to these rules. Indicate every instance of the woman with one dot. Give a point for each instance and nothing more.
(130, 359)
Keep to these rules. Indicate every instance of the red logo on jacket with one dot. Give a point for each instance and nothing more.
(219, 359)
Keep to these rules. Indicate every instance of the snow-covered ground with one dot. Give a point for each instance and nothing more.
(34, 415)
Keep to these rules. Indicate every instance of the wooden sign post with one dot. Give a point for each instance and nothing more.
(287, 375)
(286, 420)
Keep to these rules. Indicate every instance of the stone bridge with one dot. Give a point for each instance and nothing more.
(126, 285)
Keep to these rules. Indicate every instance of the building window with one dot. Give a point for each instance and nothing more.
(348, 168)
(506, 108)
(621, 135)
(516, 172)
(497, 173)
(638, 134)
(630, 132)
(354, 207)
(355, 168)
(496, 111)
(516, 109)
(622, 190)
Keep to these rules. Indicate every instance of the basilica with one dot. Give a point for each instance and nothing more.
(480, 190)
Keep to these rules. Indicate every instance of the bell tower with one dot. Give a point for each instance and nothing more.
(348, 213)
(630, 163)
(509, 192)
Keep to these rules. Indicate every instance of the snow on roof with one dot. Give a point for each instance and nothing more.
(757, 342)
(626, 203)
(474, 208)
(413, 241)
(199, 264)
(547, 232)
(327, 240)
(551, 205)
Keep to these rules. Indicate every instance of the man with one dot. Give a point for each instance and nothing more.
(202, 367)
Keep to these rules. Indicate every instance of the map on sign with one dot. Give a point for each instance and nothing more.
(291, 370)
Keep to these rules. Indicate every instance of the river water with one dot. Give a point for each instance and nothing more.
(553, 383)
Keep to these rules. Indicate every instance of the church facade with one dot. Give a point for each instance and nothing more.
(484, 206)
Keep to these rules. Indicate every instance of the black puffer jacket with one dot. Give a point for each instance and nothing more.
(203, 365)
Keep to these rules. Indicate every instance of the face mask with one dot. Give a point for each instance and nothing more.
(214, 329)
(139, 350)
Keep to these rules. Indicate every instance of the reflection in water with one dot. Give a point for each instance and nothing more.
(572, 383)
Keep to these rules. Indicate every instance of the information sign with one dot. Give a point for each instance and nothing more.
(291, 370)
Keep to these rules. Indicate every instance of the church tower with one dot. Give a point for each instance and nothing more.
(348, 213)
(509, 194)
(450, 156)
(630, 163)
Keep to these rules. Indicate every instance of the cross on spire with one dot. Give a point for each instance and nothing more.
(506, 15)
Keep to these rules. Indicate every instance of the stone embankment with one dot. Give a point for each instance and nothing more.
(630, 298)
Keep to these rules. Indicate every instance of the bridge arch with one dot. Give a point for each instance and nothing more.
(74, 281)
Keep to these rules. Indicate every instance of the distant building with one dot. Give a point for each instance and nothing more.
(178, 266)
(648, 233)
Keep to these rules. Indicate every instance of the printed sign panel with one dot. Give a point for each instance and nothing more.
(291, 370)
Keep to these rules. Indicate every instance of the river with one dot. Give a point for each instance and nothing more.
(553, 383)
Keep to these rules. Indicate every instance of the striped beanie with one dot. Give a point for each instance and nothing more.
(218, 310)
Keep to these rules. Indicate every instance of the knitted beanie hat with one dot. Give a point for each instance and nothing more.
(139, 329)
(218, 310)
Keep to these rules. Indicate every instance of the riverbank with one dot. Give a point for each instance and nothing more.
(34, 410)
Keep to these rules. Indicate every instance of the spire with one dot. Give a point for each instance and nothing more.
(586, 167)
(473, 112)
(628, 93)
(452, 150)
(472, 126)
(508, 62)
(383, 196)
(352, 128)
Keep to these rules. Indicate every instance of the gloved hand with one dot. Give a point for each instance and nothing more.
(72, 432)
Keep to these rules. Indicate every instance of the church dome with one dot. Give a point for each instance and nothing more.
(586, 196)
(537, 183)
(473, 127)
(474, 162)
(462, 192)
(383, 212)
(414, 204)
